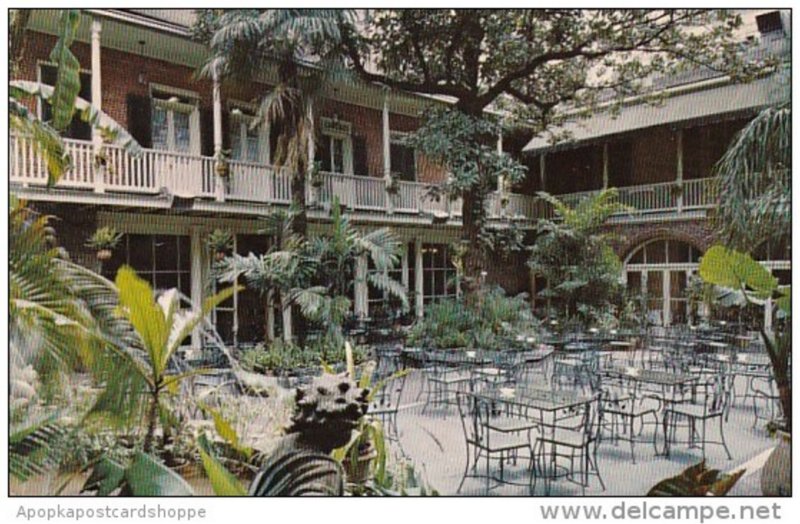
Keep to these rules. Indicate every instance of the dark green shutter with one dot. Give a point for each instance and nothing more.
(360, 164)
(139, 119)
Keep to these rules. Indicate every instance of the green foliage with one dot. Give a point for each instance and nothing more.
(33, 448)
(223, 482)
(161, 327)
(220, 240)
(738, 271)
(696, 481)
(754, 180)
(68, 83)
(489, 323)
(280, 357)
(104, 238)
(145, 476)
(575, 258)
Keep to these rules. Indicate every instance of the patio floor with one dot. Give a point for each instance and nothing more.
(434, 442)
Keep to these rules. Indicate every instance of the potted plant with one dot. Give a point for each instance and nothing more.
(221, 242)
(393, 184)
(223, 165)
(104, 241)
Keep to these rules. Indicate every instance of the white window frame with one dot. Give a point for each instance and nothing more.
(192, 109)
(333, 128)
(39, 64)
(240, 122)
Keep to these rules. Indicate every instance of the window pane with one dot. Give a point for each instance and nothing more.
(657, 252)
(166, 252)
(165, 281)
(637, 257)
(678, 251)
(337, 160)
(181, 125)
(159, 128)
(140, 254)
(236, 142)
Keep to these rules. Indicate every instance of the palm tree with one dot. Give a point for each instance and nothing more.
(754, 180)
(316, 274)
(245, 43)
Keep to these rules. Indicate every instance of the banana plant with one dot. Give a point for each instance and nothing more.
(754, 283)
(161, 327)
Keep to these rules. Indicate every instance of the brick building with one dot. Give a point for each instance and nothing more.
(140, 67)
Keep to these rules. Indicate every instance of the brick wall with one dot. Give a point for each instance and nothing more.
(121, 73)
(698, 233)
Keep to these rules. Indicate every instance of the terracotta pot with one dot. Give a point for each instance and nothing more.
(776, 475)
(103, 254)
(219, 256)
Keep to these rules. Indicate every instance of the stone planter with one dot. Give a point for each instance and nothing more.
(776, 475)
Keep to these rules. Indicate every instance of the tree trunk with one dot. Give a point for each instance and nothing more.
(152, 422)
(16, 39)
(780, 370)
(300, 227)
(473, 263)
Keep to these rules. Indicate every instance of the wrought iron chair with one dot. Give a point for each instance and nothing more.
(569, 452)
(708, 401)
(487, 440)
(624, 406)
(766, 401)
(386, 398)
(446, 376)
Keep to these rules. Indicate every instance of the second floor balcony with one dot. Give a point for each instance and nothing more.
(157, 172)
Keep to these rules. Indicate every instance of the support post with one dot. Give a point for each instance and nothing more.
(605, 165)
(219, 187)
(97, 102)
(679, 168)
(387, 153)
(361, 291)
(542, 170)
(404, 267)
(419, 303)
(311, 194)
(501, 182)
(197, 268)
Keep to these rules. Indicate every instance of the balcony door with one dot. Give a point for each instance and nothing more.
(659, 272)
(175, 122)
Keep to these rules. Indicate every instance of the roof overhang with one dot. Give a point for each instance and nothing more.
(686, 109)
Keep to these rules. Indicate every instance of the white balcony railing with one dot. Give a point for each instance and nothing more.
(194, 176)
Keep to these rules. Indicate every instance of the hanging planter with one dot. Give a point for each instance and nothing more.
(393, 184)
(104, 241)
(220, 241)
(223, 165)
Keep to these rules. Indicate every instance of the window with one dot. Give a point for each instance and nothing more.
(78, 129)
(175, 121)
(335, 148)
(403, 159)
(380, 302)
(247, 142)
(439, 279)
(162, 260)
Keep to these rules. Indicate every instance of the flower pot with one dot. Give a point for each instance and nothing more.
(103, 254)
(219, 256)
(776, 475)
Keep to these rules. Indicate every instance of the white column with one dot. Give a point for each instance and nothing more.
(542, 170)
(532, 283)
(387, 151)
(361, 291)
(679, 167)
(605, 165)
(97, 102)
(287, 320)
(311, 195)
(217, 101)
(501, 183)
(270, 317)
(404, 267)
(419, 302)
(198, 254)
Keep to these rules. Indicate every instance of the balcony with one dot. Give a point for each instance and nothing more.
(187, 176)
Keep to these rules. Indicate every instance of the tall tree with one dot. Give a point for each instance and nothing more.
(301, 47)
(531, 62)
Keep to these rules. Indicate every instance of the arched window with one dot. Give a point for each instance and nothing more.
(659, 270)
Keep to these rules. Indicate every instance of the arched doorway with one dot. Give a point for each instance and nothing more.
(660, 270)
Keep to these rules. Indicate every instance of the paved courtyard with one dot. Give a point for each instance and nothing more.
(434, 441)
